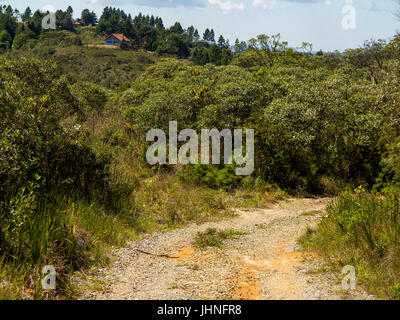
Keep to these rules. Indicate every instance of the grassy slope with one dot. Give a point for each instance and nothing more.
(110, 68)
(362, 230)
(106, 67)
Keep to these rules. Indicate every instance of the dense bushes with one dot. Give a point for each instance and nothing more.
(391, 165)
(222, 177)
(39, 141)
(363, 230)
(324, 129)
(91, 97)
(45, 169)
(195, 97)
(317, 129)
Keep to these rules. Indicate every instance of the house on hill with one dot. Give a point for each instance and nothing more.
(115, 39)
(76, 22)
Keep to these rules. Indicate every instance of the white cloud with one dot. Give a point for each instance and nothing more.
(153, 3)
(265, 4)
(226, 5)
(270, 4)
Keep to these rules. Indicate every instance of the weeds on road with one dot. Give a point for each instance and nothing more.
(312, 213)
(215, 238)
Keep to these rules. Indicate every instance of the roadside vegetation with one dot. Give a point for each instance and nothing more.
(363, 230)
(73, 120)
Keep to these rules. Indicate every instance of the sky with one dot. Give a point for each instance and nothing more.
(327, 24)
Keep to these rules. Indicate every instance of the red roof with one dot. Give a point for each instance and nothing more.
(119, 36)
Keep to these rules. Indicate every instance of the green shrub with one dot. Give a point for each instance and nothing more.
(363, 230)
(211, 176)
(390, 174)
(45, 169)
(92, 97)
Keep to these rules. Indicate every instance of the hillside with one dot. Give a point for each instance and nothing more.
(77, 181)
(103, 66)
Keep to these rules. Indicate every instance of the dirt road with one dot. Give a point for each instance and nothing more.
(265, 263)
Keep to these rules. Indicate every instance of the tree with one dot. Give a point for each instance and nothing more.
(306, 48)
(70, 11)
(215, 54)
(240, 46)
(200, 56)
(177, 28)
(5, 40)
(196, 36)
(129, 29)
(159, 24)
(209, 36)
(35, 23)
(221, 42)
(64, 20)
(26, 15)
(212, 36)
(9, 10)
(206, 35)
(124, 45)
(66, 23)
(369, 58)
(22, 38)
(190, 33)
(226, 56)
(88, 17)
(268, 47)
(8, 21)
(175, 44)
(236, 46)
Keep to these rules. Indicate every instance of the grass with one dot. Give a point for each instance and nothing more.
(67, 232)
(263, 227)
(88, 35)
(362, 230)
(112, 69)
(195, 267)
(215, 238)
(108, 68)
(312, 213)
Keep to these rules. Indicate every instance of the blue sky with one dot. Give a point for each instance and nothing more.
(316, 21)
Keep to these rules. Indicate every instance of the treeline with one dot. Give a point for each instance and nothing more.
(149, 33)
(19, 30)
(22, 30)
